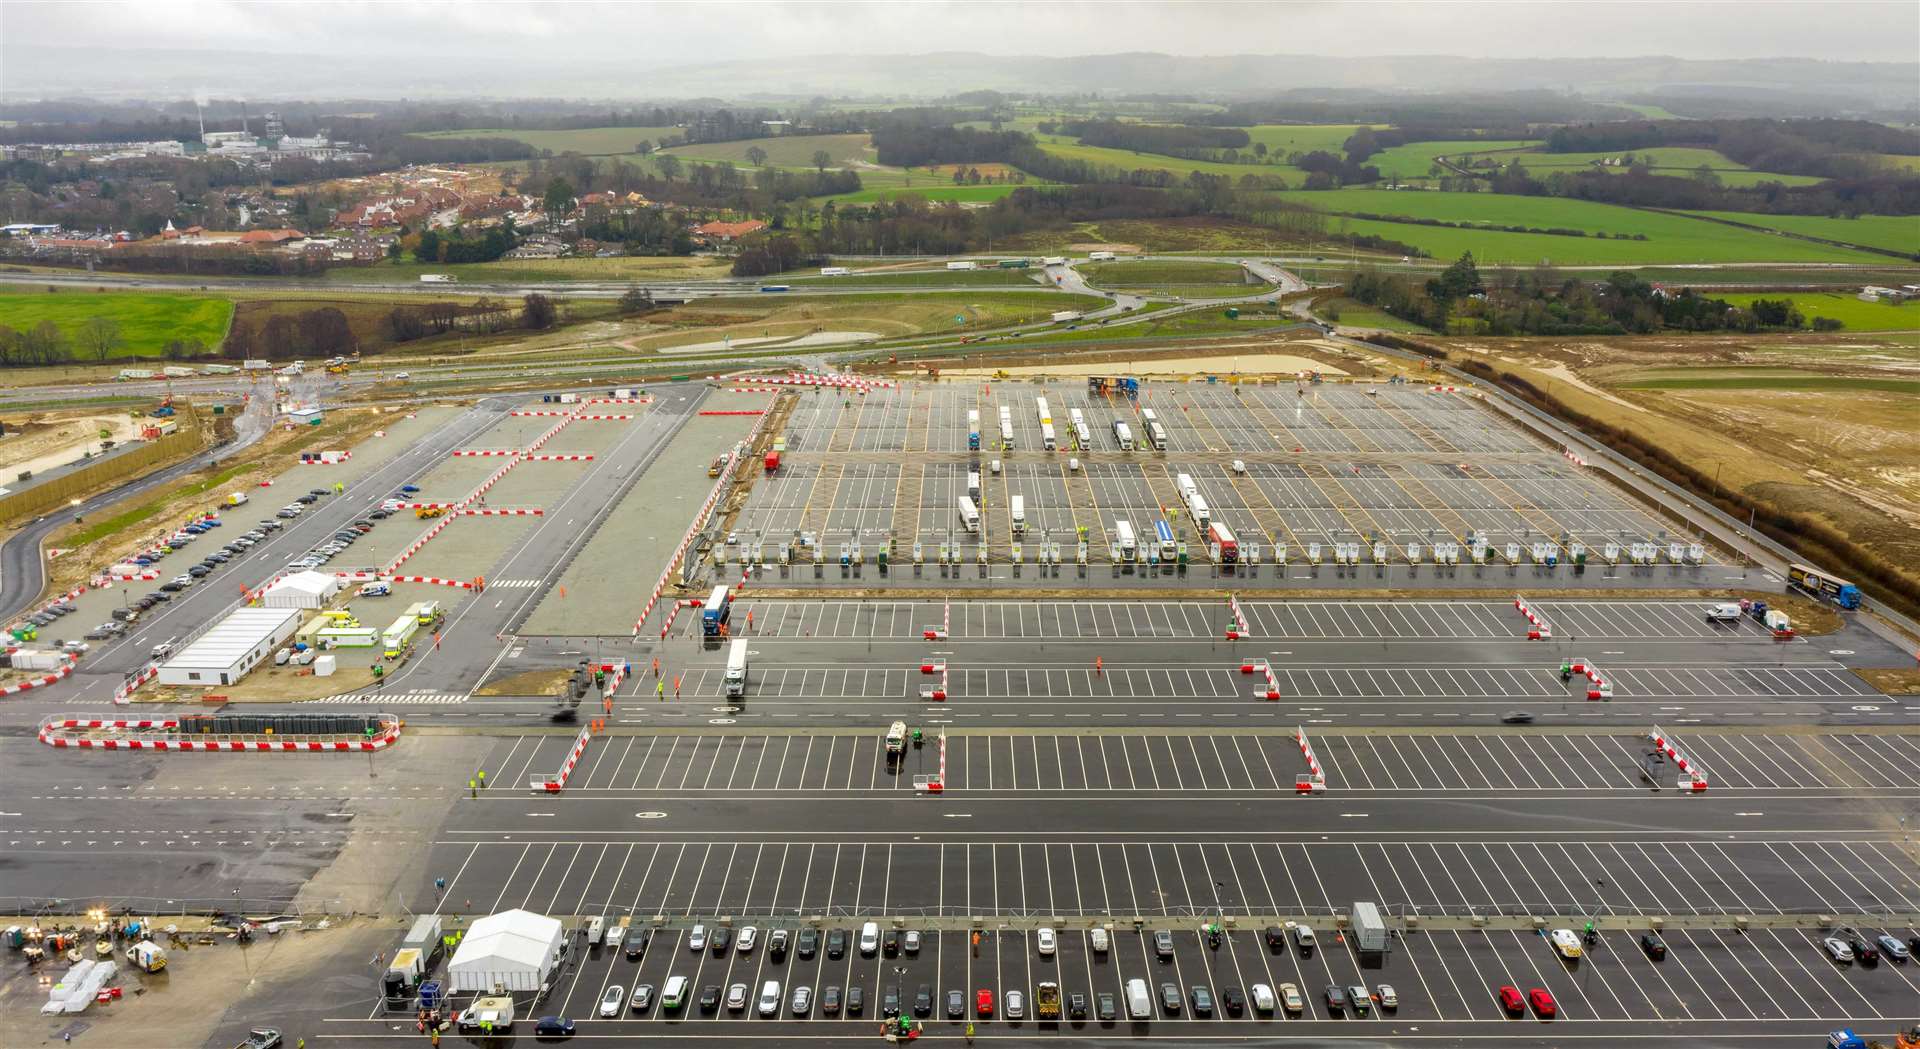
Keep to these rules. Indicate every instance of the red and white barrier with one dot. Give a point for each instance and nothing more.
(425, 506)
(505, 512)
(464, 584)
(1315, 780)
(551, 458)
(342, 457)
(557, 782)
(538, 413)
(1598, 687)
(618, 400)
(600, 418)
(937, 783)
(438, 527)
(1573, 457)
(54, 734)
(1538, 629)
(1442, 389)
(124, 694)
(937, 693)
(1240, 628)
(1259, 666)
(753, 389)
(126, 577)
(741, 411)
(43, 680)
(946, 624)
(1696, 776)
(480, 452)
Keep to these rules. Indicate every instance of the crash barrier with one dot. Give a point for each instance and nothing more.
(124, 694)
(227, 732)
(1443, 389)
(414, 548)
(674, 613)
(937, 693)
(618, 400)
(1259, 666)
(540, 413)
(43, 680)
(558, 458)
(946, 624)
(1239, 628)
(741, 411)
(811, 379)
(339, 458)
(557, 782)
(1573, 457)
(599, 418)
(521, 511)
(475, 583)
(480, 452)
(1598, 687)
(1694, 778)
(1315, 781)
(125, 577)
(937, 783)
(753, 389)
(424, 506)
(1538, 629)
(693, 531)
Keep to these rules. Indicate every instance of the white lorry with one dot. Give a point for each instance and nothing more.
(736, 678)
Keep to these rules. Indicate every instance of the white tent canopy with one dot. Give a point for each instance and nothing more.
(301, 590)
(514, 950)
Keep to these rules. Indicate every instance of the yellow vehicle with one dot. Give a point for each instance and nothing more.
(425, 512)
(336, 369)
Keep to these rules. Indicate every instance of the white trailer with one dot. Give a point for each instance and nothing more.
(969, 514)
(1198, 508)
(834, 271)
(1063, 316)
(1054, 260)
(973, 484)
(1019, 504)
(1046, 411)
(1184, 482)
(438, 278)
(963, 264)
(1047, 438)
(1124, 435)
(1006, 426)
(736, 678)
(1157, 435)
(1124, 538)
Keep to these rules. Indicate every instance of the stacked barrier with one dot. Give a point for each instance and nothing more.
(554, 458)
(463, 584)
(58, 733)
(505, 512)
(946, 624)
(937, 693)
(936, 783)
(1538, 628)
(1573, 457)
(557, 782)
(1598, 687)
(1240, 628)
(1259, 666)
(1315, 781)
(480, 452)
(1696, 776)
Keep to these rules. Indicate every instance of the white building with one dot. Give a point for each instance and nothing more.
(301, 590)
(512, 950)
(233, 646)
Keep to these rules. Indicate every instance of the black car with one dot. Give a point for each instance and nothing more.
(777, 949)
(923, 1001)
(830, 1000)
(308, 499)
(1169, 998)
(1234, 1002)
(548, 1027)
(1163, 944)
(809, 943)
(890, 944)
(856, 999)
(890, 1002)
(316, 491)
(381, 515)
(1655, 947)
(1864, 952)
(1276, 939)
(956, 1004)
(637, 941)
(710, 998)
(1076, 1006)
(718, 940)
(1105, 1007)
(1517, 717)
(836, 942)
(1336, 1000)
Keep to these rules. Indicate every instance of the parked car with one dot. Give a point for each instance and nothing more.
(553, 1027)
(1543, 1004)
(1511, 1000)
(612, 1000)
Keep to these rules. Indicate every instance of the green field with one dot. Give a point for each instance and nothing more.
(1911, 165)
(1355, 314)
(1850, 310)
(1892, 232)
(793, 151)
(591, 141)
(1673, 161)
(929, 189)
(1414, 159)
(1304, 138)
(1681, 379)
(1670, 238)
(1128, 160)
(148, 320)
(1158, 273)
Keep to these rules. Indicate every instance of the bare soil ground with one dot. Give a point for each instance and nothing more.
(1849, 455)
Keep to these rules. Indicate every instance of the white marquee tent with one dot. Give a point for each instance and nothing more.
(514, 950)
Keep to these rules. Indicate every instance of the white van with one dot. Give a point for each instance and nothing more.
(596, 930)
(674, 994)
(869, 938)
(769, 1003)
(1139, 1002)
(1725, 613)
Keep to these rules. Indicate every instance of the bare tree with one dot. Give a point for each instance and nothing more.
(756, 156)
(100, 336)
(821, 158)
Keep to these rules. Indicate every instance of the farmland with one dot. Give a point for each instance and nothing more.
(880, 314)
(591, 141)
(1850, 310)
(148, 320)
(794, 151)
(1128, 160)
(1676, 161)
(1893, 232)
(1670, 238)
(1415, 159)
(1303, 138)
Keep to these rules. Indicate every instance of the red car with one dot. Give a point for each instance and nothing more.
(983, 1003)
(1511, 1001)
(1543, 1005)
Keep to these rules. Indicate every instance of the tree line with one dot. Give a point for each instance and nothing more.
(1821, 148)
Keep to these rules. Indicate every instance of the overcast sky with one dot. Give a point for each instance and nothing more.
(673, 33)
